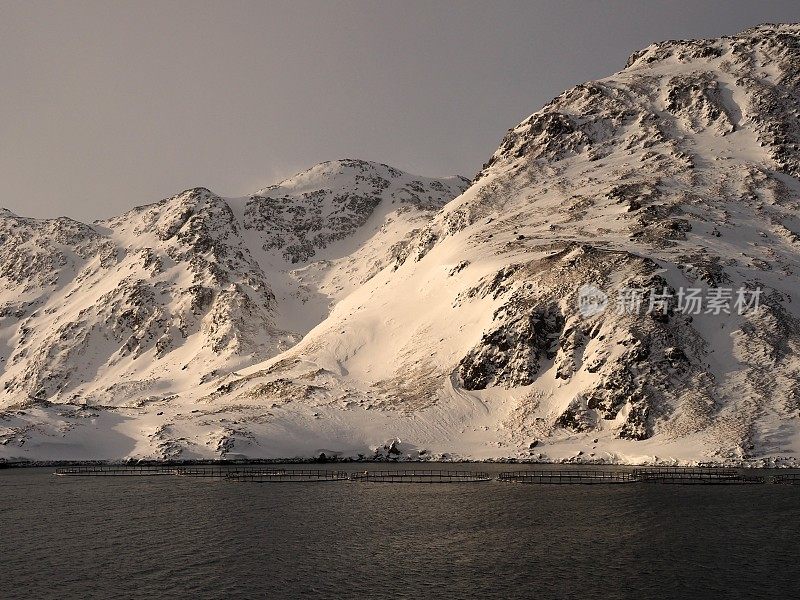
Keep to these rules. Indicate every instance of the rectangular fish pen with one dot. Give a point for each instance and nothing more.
(421, 476)
(566, 476)
(787, 479)
(285, 475)
(695, 475)
(203, 471)
(114, 471)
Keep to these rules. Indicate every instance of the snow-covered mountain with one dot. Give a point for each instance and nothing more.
(454, 332)
(136, 311)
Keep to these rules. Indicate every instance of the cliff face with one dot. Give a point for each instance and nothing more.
(544, 313)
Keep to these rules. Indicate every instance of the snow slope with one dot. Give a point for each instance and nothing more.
(459, 335)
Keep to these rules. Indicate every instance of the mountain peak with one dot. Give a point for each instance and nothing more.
(669, 94)
(764, 38)
(328, 202)
(342, 172)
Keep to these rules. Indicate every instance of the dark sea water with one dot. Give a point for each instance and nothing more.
(71, 537)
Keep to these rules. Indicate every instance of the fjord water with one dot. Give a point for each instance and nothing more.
(82, 537)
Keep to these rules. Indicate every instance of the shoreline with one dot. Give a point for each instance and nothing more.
(762, 464)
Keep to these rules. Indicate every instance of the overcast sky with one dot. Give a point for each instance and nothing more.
(107, 105)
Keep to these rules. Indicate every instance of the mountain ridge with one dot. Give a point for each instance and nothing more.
(461, 335)
(190, 267)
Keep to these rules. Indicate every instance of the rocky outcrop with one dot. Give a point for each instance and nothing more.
(333, 200)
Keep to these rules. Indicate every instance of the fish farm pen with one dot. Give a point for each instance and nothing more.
(567, 477)
(563, 476)
(787, 478)
(692, 475)
(117, 470)
(285, 475)
(422, 476)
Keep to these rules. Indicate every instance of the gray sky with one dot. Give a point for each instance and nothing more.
(106, 105)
